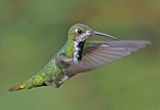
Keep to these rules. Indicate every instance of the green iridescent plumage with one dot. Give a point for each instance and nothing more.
(79, 55)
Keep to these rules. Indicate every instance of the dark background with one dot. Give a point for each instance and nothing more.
(32, 31)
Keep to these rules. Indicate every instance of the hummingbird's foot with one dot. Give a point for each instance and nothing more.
(65, 77)
(61, 81)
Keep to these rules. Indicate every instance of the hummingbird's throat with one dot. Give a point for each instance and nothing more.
(78, 48)
(78, 45)
(83, 36)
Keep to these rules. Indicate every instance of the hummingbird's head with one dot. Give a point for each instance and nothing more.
(80, 33)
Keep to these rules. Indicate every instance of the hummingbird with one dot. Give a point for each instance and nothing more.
(79, 55)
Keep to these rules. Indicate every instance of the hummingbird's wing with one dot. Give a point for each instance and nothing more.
(98, 53)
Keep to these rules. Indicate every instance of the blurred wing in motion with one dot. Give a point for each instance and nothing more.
(99, 53)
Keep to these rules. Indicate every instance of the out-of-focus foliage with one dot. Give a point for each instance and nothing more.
(31, 31)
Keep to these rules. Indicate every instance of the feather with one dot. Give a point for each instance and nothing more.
(99, 53)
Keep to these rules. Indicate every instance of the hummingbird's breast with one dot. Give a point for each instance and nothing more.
(78, 48)
(73, 50)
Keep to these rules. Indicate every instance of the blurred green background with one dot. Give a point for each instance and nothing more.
(31, 31)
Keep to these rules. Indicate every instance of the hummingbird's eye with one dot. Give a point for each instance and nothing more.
(78, 31)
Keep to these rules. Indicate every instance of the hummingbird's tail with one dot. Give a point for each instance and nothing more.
(35, 81)
(20, 86)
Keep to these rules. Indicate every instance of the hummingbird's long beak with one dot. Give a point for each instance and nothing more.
(103, 34)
